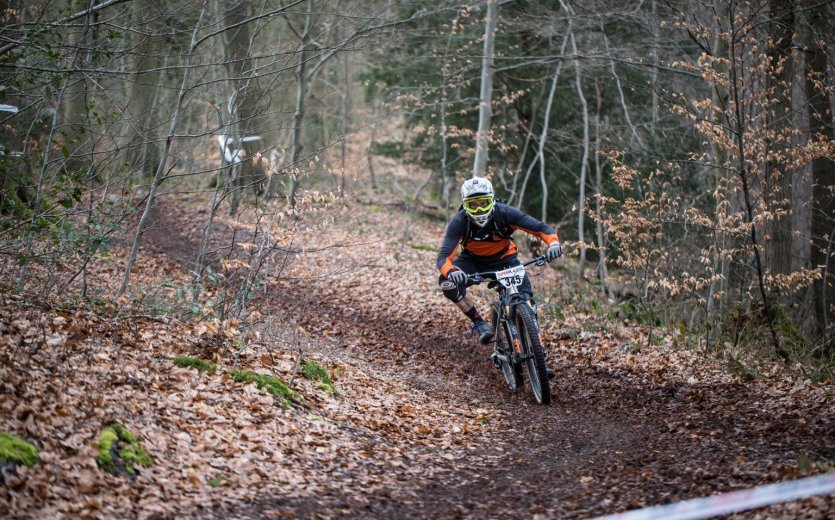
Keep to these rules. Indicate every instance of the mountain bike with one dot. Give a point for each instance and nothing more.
(517, 340)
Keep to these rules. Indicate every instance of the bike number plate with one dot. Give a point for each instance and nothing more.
(512, 277)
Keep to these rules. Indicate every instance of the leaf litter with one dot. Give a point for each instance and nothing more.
(421, 426)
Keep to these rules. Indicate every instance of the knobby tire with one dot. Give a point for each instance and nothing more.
(512, 373)
(528, 335)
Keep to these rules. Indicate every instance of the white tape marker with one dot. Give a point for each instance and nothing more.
(735, 501)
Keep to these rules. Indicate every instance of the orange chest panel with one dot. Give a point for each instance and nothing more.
(491, 247)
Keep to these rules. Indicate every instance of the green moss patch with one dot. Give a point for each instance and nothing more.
(218, 481)
(17, 451)
(312, 371)
(271, 384)
(201, 365)
(120, 452)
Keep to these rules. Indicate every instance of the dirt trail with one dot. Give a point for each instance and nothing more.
(618, 435)
(607, 442)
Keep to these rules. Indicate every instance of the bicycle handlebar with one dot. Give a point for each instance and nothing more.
(477, 278)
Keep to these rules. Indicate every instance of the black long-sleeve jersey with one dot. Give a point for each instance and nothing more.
(492, 240)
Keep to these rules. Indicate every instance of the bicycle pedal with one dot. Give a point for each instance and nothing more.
(495, 359)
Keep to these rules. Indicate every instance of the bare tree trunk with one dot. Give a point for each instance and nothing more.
(654, 59)
(245, 102)
(139, 133)
(540, 154)
(298, 115)
(778, 243)
(721, 98)
(801, 189)
(485, 108)
(371, 142)
(447, 183)
(75, 109)
(160, 172)
(823, 168)
(581, 206)
(602, 271)
(346, 122)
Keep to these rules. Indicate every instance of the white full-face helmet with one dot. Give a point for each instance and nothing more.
(478, 199)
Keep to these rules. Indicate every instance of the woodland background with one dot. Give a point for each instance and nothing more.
(219, 220)
(687, 144)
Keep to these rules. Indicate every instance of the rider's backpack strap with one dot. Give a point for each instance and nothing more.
(498, 227)
(501, 227)
(468, 233)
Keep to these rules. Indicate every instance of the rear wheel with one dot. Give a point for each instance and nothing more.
(532, 348)
(512, 373)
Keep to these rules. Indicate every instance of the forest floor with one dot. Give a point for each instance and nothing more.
(422, 426)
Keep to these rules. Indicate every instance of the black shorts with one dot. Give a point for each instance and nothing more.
(473, 264)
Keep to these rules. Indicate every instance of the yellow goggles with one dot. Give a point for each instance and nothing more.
(478, 205)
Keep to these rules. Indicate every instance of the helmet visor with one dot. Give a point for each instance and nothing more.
(479, 205)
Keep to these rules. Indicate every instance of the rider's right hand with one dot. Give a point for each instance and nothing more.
(457, 276)
(554, 252)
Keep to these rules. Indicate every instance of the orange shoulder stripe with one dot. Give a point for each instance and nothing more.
(548, 239)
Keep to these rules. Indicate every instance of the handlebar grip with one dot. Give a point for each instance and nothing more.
(473, 280)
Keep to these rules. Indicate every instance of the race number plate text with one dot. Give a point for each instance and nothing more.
(512, 277)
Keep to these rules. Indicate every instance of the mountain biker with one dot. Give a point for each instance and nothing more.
(483, 227)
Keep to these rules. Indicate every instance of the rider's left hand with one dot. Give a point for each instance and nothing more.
(554, 251)
(457, 276)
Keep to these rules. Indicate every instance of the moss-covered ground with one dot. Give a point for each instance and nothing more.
(312, 371)
(16, 450)
(201, 365)
(271, 384)
(120, 451)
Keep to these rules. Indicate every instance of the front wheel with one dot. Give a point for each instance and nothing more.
(512, 373)
(534, 353)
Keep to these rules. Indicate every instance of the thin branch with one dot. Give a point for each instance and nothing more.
(244, 22)
(58, 23)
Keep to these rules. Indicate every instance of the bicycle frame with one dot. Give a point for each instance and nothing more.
(509, 299)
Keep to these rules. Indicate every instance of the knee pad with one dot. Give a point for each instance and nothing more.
(451, 291)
